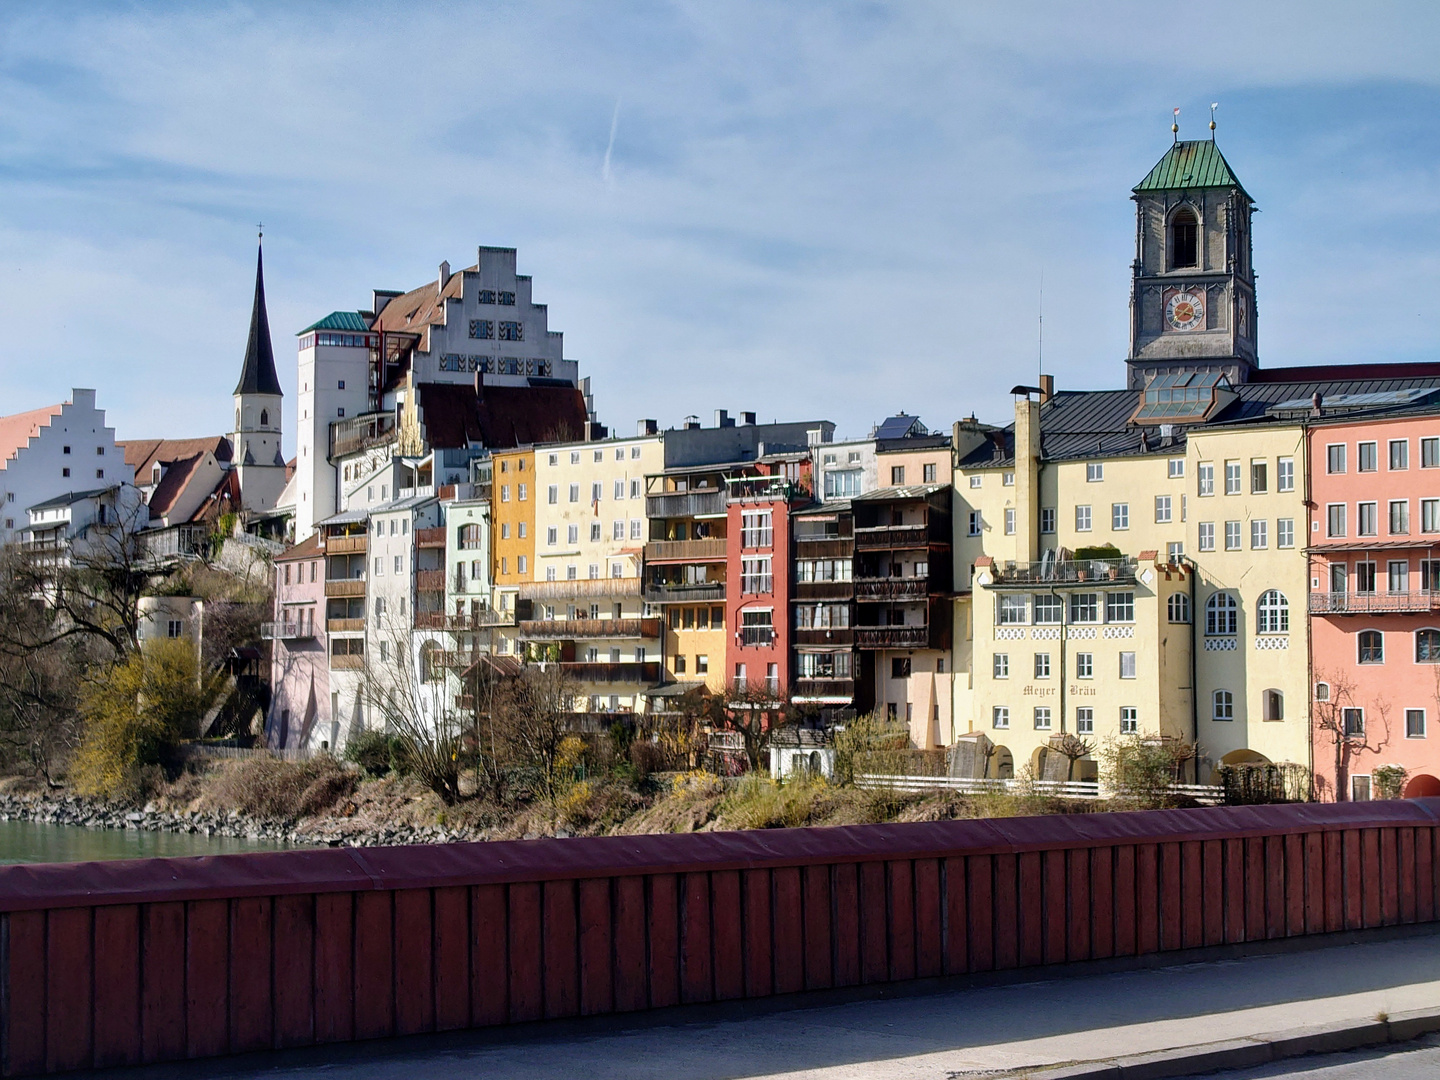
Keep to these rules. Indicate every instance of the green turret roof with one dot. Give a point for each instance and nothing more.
(339, 320)
(1196, 164)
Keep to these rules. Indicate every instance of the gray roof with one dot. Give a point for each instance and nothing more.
(898, 427)
(346, 517)
(70, 497)
(913, 491)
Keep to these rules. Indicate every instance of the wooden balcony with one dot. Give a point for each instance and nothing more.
(571, 629)
(814, 635)
(683, 551)
(829, 689)
(341, 626)
(346, 545)
(347, 662)
(345, 587)
(665, 593)
(892, 538)
(823, 590)
(484, 619)
(892, 588)
(430, 580)
(892, 637)
(824, 547)
(593, 671)
(430, 538)
(582, 587)
(686, 504)
(287, 631)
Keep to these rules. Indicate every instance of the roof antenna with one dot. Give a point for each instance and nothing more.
(1213, 106)
(1042, 323)
(1175, 125)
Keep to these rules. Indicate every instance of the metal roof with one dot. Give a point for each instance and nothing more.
(916, 491)
(1190, 164)
(349, 321)
(69, 497)
(897, 427)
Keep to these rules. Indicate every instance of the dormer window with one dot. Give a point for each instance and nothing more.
(1184, 233)
(155, 473)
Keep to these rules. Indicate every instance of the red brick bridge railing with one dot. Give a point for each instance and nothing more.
(165, 959)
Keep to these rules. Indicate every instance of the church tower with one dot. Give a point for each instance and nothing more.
(256, 440)
(1192, 296)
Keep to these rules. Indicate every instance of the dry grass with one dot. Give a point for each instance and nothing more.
(279, 790)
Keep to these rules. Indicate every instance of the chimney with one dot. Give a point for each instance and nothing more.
(1047, 388)
(647, 427)
(722, 418)
(1027, 479)
(444, 274)
(1317, 401)
(748, 419)
(692, 423)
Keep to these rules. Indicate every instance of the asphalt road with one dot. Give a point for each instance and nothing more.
(1416, 1061)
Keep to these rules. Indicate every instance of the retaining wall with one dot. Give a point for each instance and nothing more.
(162, 959)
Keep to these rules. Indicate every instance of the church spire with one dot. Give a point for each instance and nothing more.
(258, 374)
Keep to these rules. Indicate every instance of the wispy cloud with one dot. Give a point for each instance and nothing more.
(825, 210)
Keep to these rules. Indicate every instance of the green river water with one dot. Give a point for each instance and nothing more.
(34, 842)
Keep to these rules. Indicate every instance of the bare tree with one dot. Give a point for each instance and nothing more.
(533, 716)
(753, 710)
(1350, 740)
(1072, 748)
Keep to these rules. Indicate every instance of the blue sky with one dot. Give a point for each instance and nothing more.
(806, 210)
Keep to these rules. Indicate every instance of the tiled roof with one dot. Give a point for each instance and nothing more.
(17, 431)
(173, 484)
(141, 454)
(308, 548)
(1191, 164)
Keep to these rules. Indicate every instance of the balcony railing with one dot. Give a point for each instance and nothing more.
(820, 635)
(430, 580)
(893, 588)
(484, 619)
(824, 688)
(823, 590)
(341, 626)
(345, 545)
(1420, 602)
(762, 636)
(824, 547)
(665, 593)
(892, 637)
(566, 590)
(430, 538)
(684, 504)
(596, 671)
(347, 662)
(892, 537)
(1068, 572)
(345, 587)
(287, 631)
(685, 551)
(569, 629)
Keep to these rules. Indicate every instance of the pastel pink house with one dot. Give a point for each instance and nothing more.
(299, 670)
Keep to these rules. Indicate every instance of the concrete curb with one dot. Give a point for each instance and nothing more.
(1250, 1051)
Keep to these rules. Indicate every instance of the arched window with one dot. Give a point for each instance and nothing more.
(1221, 615)
(1224, 705)
(1372, 647)
(1273, 613)
(264, 417)
(1322, 691)
(1274, 705)
(1427, 647)
(237, 419)
(1179, 605)
(1184, 236)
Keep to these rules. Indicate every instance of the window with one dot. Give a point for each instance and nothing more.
(1372, 647)
(174, 628)
(1367, 455)
(522, 564)
(1335, 458)
(1012, 611)
(549, 573)
(756, 628)
(1259, 534)
(399, 564)
(1047, 520)
(596, 490)
(1399, 454)
(1042, 718)
(1430, 453)
(1000, 665)
(572, 535)
(1127, 665)
(927, 474)
(1232, 478)
(1222, 705)
(1084, 607)
(975, 523)
(1000, 717)
(1354, 721)
(523, 489)
(755, 529)
(1367, 519)
(100, 475)
(1042, 665)
(1335, 519)
(1085, 721)
(595, 531)
(1129, 720)
(1430, 575)
(1273, 613)
(1084, 665)
(1427, 646)
(1082, 519)
(702, 664)
(1162, 509)
(523, 528)
(897, 475)
(1364, 577)
(504, 493)
(617, 530)
(637, 526)
(1184, 237)
(1322, 691)
(67, 449)
(1007, 479)
(1430, 515)
(574, 493)
(635, 452)
(1285, 532)
(1048, 609)
(900, 667)
(1205, 479)
(1359, 788)
(976, 481)
(552, 495)
(1120, 516)
(755, 575)
(340, 411)
(1120, 607)
(1178, 607)
(1415, 723)
(1177, 468)
(1285, 474)
(1009, 521)
(1397, 576)
(65, 471)
(1207, 536)
(1399, 517)
(552, 536)
(842, 484)
(1094, 472)
(1232, 536)
(1221, 615)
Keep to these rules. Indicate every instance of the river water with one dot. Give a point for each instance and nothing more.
(34, 842)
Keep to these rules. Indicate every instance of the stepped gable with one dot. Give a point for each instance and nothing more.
(500, 417)
(17, 431)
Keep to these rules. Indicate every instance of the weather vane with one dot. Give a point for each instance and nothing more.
(1175, 125)
(261, 225)
(1213, 106)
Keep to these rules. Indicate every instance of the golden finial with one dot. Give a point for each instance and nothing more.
(1175, 126)
(1213, 106)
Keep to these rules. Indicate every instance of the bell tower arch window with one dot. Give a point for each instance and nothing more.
(264, 417)
(1184, 239)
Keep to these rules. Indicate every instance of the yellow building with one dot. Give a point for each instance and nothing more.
(512, 509)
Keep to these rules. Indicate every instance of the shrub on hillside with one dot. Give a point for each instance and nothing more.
(377, 753)
(284, 790)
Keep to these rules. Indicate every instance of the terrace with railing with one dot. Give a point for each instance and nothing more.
(892, 637)
(1063, 572)
(707, 502)
(360, 432)
(1408, 602)
(685, 551)
(567, 629)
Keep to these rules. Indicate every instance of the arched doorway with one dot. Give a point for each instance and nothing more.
(1422, 786)
(1001, 765)
(1238, 757)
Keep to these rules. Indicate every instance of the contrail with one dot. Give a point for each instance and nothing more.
(610, 146)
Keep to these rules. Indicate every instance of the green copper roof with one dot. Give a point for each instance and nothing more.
(339, 320)
(1197, 164)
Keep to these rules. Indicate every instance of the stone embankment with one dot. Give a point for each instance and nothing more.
(313, 832)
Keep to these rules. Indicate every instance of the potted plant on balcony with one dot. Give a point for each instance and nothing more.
(1106, 553)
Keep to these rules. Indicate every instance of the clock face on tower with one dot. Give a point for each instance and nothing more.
(1185, 311)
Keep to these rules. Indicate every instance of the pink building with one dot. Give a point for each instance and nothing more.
(1375, 601)
(299, 669)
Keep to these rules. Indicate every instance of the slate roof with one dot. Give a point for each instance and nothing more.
(1190, 164)
(68, 498)
(257, 376)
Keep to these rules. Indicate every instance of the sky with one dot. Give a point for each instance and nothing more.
(806, 210)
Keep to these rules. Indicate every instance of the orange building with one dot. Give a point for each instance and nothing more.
(512, 504)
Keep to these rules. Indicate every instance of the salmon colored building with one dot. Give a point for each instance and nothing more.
(1375, 601)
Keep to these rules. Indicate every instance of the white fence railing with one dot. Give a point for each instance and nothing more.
(299, 753)
(1069, 789)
